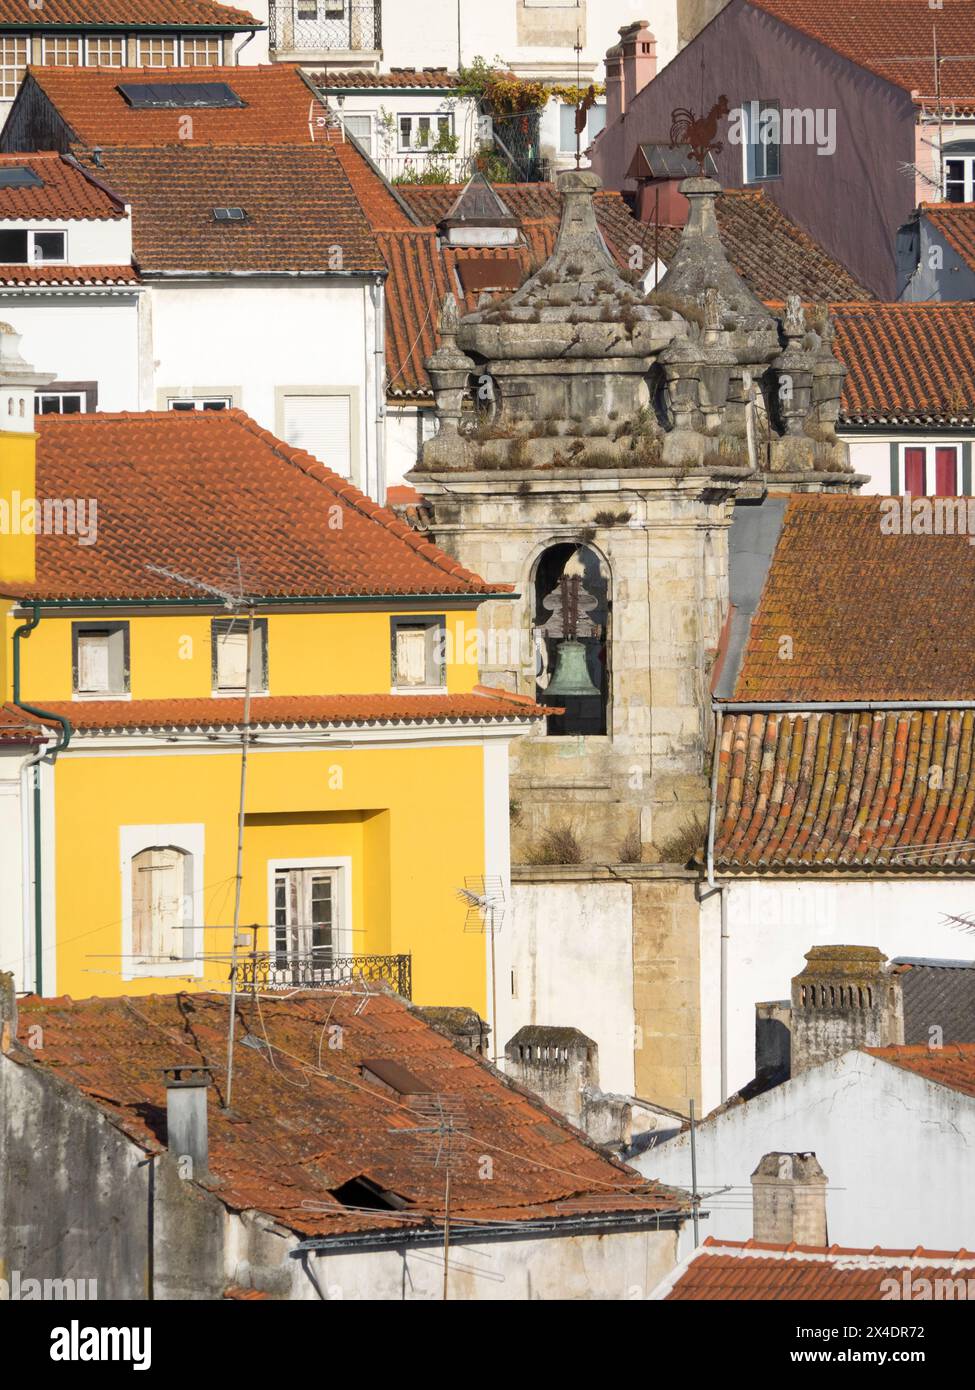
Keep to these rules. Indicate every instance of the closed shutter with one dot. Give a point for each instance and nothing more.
(157, 903)
(232, 659)
(361, 128)
(93, 662)
(914, 480)
(322, 426)
(946, 472)
(411, 656)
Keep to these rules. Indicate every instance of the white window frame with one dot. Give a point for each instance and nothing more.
(133, 839)
(182, 48)
(282, 394)
(930, 464)
(33, 232)
(92, 39)
(340, 863)
(751, 175)
(969, 175)
(367, 143)
(80, 395)
(200, 402)
(54, 39)
(11, 69)
(414, 117)
(146, 40)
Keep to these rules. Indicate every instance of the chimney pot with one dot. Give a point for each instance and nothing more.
(186, 1115)
(789, 1200)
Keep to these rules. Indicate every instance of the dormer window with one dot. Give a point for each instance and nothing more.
(22, 246)
(959, 162)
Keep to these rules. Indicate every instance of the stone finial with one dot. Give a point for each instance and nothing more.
(449, 317)
(794, 323)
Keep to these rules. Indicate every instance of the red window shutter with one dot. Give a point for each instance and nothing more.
(914, 470)
(946, 472)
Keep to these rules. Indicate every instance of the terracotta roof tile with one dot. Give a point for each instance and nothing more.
(846, 789)
(907, 363)
(292, 711)
(195, 490)
(749, 1270)
(876, 33)
(83, 14)
(952, 1065)
(376, 196)
(956, 223)
(18, 727)
(299, 207)
(43, 275)
(65, 191)
(288, 1148)
(396, 79)
(869, 615)
(279, 108)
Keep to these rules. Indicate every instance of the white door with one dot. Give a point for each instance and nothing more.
(157, 903)
(306, 924)
(322, 426)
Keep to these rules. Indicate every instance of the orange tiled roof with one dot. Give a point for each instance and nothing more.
(956, 223)
(846, 789)
(43, 275)
(127, 14)
(279, 108)
(192, 491)
(18, 727)
(375, 195)
(299, 204)
(876, 33)
(287, 1148)
(907, 363)
(396, 79)
(749, 1270)
(294, 711)
(66, 191)
(869, 615)
(952, 1065)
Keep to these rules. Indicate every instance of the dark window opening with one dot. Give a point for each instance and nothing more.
(362, 1192)
(13, 248)
(571, 627)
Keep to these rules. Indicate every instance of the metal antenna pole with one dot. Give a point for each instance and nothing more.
(695, 1199)
(244, 746)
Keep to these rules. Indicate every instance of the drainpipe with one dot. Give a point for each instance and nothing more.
(379, 358)
(240, 47)
(722, 892)
(33, 763)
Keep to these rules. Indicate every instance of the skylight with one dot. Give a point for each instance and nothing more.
(18, 176)
(229, 215)
(150, 96)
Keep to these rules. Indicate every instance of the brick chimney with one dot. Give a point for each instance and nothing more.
(789, 1200)
(846, 997)
(639, 59)
(186, 1116)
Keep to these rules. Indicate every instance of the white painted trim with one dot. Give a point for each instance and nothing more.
(132, 840)
(48, 879)
(341, 862)
(273, 740)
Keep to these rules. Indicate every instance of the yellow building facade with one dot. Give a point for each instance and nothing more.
(375, 770)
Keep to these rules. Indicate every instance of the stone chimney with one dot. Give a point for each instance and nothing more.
(846, 997)
(789, 1200)
(8, 1011)
(614, 83)
(638, 48)
(558, 1064)
(186, 1116)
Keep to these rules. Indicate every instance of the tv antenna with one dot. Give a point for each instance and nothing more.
(435, 1141)
(484, 896)
(937, 58)
(235, 603)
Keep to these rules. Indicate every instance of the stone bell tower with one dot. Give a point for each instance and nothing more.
(592, 442)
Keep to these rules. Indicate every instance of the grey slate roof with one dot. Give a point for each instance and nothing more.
(938, 993)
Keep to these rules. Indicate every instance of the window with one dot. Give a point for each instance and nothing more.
(199, 402)
(202, 52)
(106, 51)
(13, 61)
(100, 659)
(62, 50)
(157, 52)
(59, 403)
(161, 904)
(763, 140)
(418, 653)
(229, 656)
(361, 127)
(959, 165)
(595, 122)
(931, 469)
(24, 247)
(306, 920)
(423, 132)
(322, 426)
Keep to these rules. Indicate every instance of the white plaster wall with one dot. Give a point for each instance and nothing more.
(771, 926)
(897, 1152)
(11, 867)
(570, 949)
(251, 337)
(81, 337)
(98, 241)
(872, 455)
(605, 1267)
(401, 440)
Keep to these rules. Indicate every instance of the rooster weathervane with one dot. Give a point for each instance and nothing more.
(698, 132)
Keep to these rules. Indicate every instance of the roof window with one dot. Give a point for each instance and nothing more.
(229, 215)
(149, 96)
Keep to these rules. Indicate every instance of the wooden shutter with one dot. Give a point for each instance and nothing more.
(93, 662)
(914, 472)
(232, 658)
(157, 903)
(411, 656)
(946, 472)
(322, 426)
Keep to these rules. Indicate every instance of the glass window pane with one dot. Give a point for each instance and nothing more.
(49, 246)
(13, 61)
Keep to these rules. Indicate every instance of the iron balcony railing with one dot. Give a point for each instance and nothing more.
(267, 971)
(325, 26)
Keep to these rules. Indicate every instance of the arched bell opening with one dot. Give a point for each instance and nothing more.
(571, 592)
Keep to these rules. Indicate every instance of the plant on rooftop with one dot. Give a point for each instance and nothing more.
(557, 845)
(631, 850)
(684, 843)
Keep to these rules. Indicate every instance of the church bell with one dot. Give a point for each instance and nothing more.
(571, 678)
